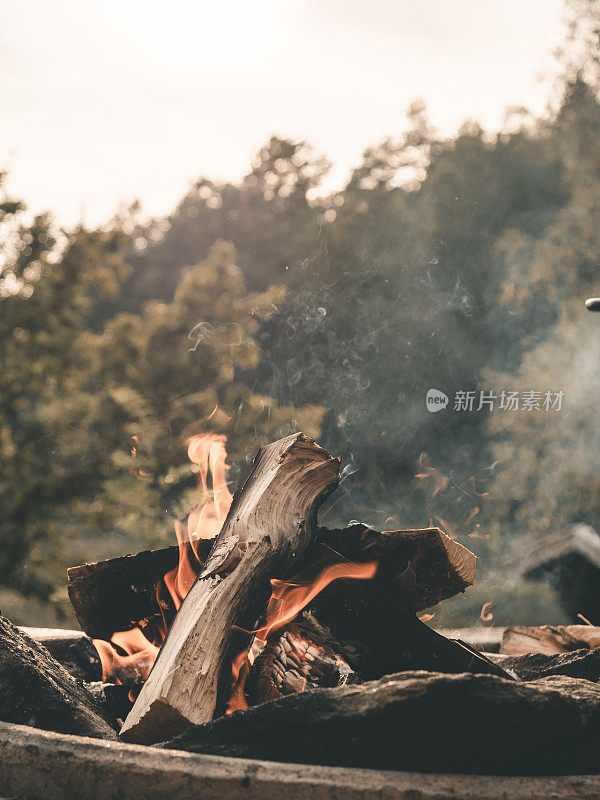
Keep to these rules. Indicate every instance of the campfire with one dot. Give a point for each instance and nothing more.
(261, 634)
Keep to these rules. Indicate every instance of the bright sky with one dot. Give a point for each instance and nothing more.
(105, 101)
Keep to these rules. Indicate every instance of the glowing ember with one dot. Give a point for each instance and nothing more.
(208, 452)
(433, 476)
(459, 503)
(286, 601)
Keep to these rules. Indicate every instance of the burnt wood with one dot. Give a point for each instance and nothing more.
(269, 525)
(423, 566)
(420, 721)
(531, 666)
(120, 593)
(73, 649)
(303, 655)
(391, 636)
(36, 690)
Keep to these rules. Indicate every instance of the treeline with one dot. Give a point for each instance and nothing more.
(266, 306)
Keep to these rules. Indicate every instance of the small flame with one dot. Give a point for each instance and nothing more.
(486, 614)
(130, 668)
(286, 601)
(208, 452)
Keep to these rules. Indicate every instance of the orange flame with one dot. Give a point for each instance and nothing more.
(286, 601)
(133, 667)
(208, 452)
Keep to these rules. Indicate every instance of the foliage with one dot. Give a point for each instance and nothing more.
(457, 264)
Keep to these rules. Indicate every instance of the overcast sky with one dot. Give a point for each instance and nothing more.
(105, 101)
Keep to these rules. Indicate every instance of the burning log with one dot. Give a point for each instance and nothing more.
(268, 527)
(419, 721)
(422, 566)
(120, 593)
(549, 639)
(299, 658)
(36, 690)
(415, 568)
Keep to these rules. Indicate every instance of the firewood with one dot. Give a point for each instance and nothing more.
(423, 566)
(301, 656)
(531, 666)
(518, 640)
(73, 649)
(120, 593)
(419, 721)
(377, 614)
(269, 525)
(36, 690)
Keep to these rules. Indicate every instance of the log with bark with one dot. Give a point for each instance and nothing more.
(420, 721)
(36, 690)
(120, 593)
(268, 527)
(421, 566)
(415, 569)
(518, 640)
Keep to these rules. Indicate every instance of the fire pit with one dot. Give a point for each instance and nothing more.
(267, 656)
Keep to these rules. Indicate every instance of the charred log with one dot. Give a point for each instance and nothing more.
(36, 690)
(73, 649)
(120, 593)
(298, 658)
(422, 567)
(531, 666)
(420, 721)
(391, 635)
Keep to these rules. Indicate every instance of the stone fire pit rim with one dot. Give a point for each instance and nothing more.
(43, 764)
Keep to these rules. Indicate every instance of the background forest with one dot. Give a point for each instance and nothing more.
(259, 308)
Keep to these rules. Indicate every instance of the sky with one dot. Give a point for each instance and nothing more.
(107, 101)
